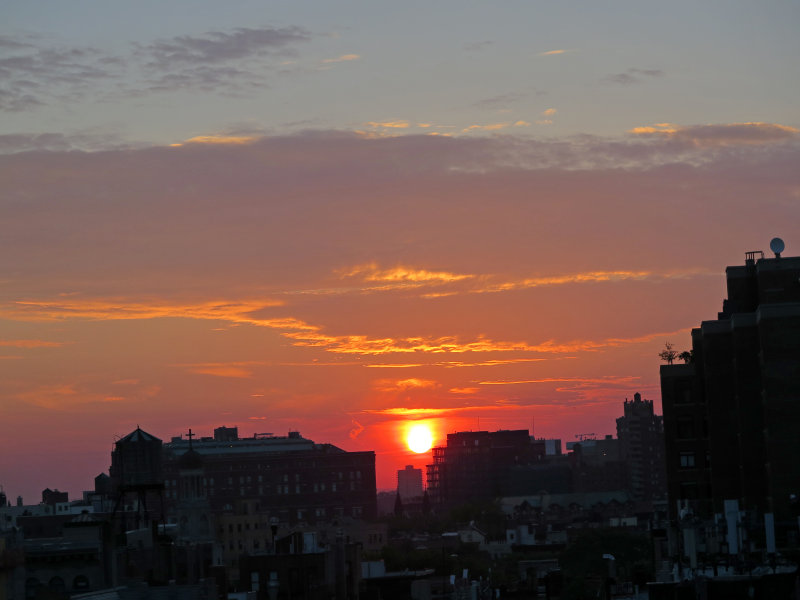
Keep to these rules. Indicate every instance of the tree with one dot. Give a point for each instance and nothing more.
(687, 356)
(398, 505)
(668, 354)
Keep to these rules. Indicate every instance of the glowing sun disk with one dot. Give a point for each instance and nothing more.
(419, 438)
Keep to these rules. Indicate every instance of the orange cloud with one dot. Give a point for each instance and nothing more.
(402, 385)
(410, 277)
(356, 430)
(72, 395)
(726, 134)
(219, 139)
(549, 112)
(30, 344)
(342, 58)
(464, 390)
(120, 309)
(236, 370)
(394, 366)
(489, 127)
(592, 276)
(433, 412)
(371, 272)
(389, 124)
(579, 380)
(363, 345)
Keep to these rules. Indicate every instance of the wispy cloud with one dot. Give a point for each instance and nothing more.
(488, 127)
(464, 390)
(389, 124)
(235, 370)
(222, 46)
(403, 385)
(30, 344)
(218, 139)
(719, 135)
(477, 46)
(632, 75)
(356, 430)
(342, 58)
(367, 346)
(422, 412)
(611, 379)
(400, 274)
(554, 52)
(123, 309)
(36, 71)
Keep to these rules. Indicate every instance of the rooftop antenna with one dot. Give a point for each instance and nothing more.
(777, 246)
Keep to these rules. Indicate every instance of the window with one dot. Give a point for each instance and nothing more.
(687, 460)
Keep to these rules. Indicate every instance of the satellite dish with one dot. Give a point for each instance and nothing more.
(777, 246)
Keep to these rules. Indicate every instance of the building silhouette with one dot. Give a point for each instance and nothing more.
(641, 438)
(478, 465)
(409, 483)
(291, 478)
(732, 412)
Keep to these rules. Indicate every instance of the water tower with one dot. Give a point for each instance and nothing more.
(136, 474)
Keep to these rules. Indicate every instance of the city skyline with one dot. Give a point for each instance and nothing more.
(239, 216)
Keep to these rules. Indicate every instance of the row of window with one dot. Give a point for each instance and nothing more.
(281, 489)
(209, 481)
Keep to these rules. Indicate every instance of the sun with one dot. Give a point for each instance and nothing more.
(419, 438)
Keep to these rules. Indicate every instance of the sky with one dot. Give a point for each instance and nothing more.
(346, 218)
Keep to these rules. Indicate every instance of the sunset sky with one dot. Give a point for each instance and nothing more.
(343, 217)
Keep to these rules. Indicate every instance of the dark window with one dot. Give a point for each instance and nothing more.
(687, 460)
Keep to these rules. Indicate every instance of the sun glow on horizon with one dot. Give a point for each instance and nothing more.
(419, 438)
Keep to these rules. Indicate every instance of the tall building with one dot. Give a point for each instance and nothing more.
(289, 478)
(732, 413)
(409, 483)
(641, 437)
(477, 465)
